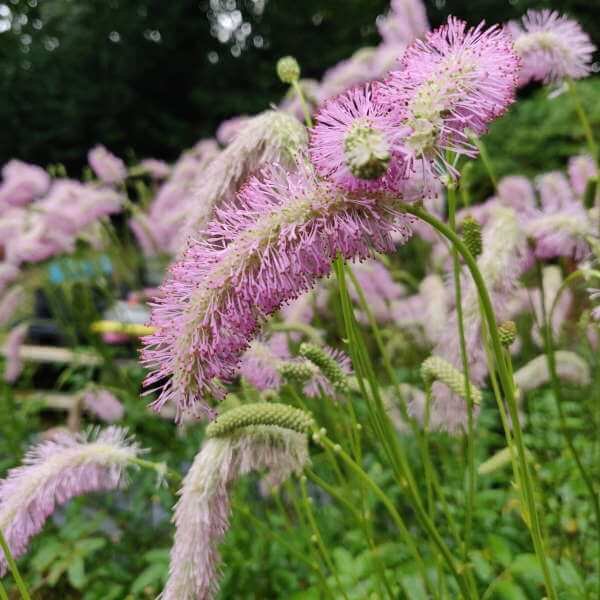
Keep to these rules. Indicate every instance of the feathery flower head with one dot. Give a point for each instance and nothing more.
(569, 366)
(259, 363)
(107, 167)
(103, 404)
(270, 137)
(55, 471)
(448, 86)
(582, 169)
(353, 143)
(202, 512)
(12, 352)
(10, 302)
(270, 246)
(22, 183)
(406, 21)
(228, 130)
(552, 47)
(157, 169)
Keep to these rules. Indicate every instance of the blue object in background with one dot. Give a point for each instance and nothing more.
(71, 269)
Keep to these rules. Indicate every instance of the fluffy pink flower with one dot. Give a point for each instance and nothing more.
(581, 169)
(103, 404)
(157, 169)
(406, 21)
(279, 237)
(354, 143)
(22, 183)
(12, 352)
(8, 274)
(552, 47)
(55, 471)
(107, 167)
(10, 302)
(202, 512)
(228, 129)
(258, 364)
(454, 82)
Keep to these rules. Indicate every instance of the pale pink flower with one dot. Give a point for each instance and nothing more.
(552, 47)
(107, 167)
(157, 169)
(8, 274)
(12, 352)
(581, 170)
(449, 86)
(406, 21)
(229, 129)
(202, 512)
(278, 238)
(55, 471)
(22, 183)
(103, 404)
(258, 364)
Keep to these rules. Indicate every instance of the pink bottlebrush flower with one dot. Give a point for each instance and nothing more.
(269, 247)
(347, 74)
(157, 169)
(562, 232)
(581, 169)
(378, 287)
(354, 144)
(143, 231)
(555, 192)
(103, 404)
(517, 193)
(406, 21)
(10, 302)
(258, 365)
(107, 167)
(270, 137)
(552, 47)
(228, 129)
(570, 367)
(22, 183)
(12, 352)
(448, 86)
(202, 512)
(55, 471)
(320, 384)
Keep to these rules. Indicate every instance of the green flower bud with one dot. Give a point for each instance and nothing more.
(472, 236)
(438, 369)
(288, 69)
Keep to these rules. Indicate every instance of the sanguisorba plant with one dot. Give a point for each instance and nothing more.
(283, 207)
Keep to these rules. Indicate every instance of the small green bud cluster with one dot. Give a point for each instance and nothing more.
(472, 236)
(297, 372)
(328, 365)
(260, 413)
(438, 369)
(288, 69)
(507, 332)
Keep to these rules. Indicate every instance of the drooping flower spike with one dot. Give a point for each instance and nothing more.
(552, 47)
(452, 83)
(279, 237)
(55, 471)
(249, 438)
(354, 143)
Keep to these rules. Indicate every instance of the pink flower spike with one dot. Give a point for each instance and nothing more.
(55, 471)
(354, 143)
(103, 404)
(107, 167)
(272, 244)
(552, 47)
(12, 352)
(448, 86)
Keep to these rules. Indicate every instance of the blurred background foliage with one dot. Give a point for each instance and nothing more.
(150, 78)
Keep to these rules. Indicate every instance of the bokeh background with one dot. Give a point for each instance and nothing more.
(150, 77)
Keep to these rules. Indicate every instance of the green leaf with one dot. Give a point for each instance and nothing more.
(153, 577)
(500, 550)
(47, 554)
(89, 545)
(76, 573)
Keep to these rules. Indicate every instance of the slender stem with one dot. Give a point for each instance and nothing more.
(551, 359)
(485, 157)
(583, 118)
(303, 103)
(507, 386)
(3, 594)
(471, 474)
(12, 565)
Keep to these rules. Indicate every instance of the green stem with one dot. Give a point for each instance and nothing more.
(3, 594)
(471, 474)
(551, 359)
(485, 157)
(507, 386)
(585, 123)
(12, 565)
(303, 103)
